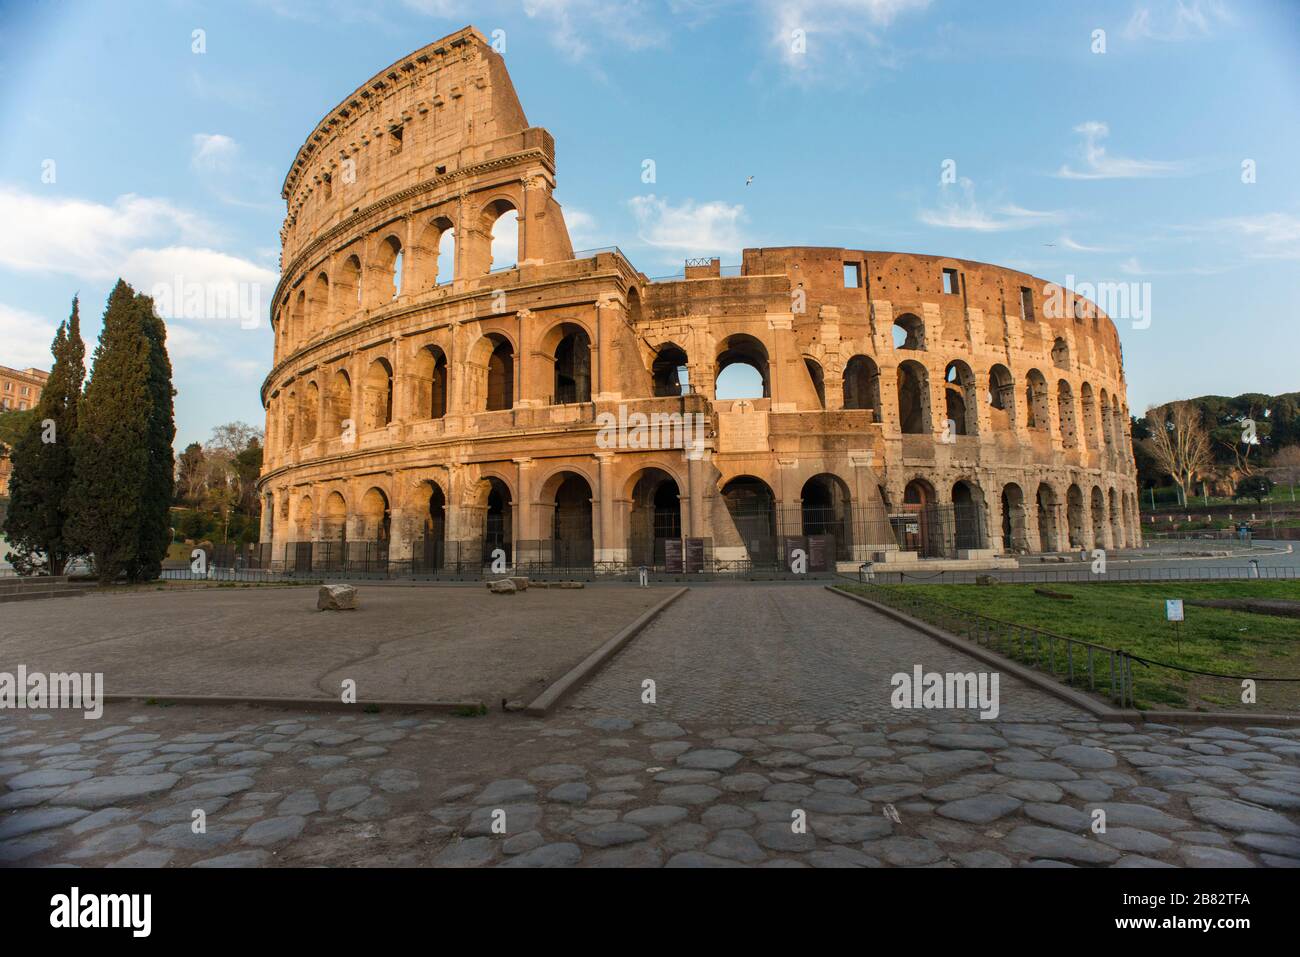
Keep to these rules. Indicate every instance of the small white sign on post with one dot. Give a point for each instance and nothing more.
(1173, 609)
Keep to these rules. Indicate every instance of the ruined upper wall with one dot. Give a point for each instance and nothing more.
(447, 106)
(909, 281)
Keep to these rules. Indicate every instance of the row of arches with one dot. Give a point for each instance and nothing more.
(1045, 517)
(404, 257)
(324, 405)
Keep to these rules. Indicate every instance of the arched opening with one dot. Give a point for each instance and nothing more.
(752, 507)
(571, 526)
(1075, 517)
(669, 371)
(969, 518)
(959, 398)
(634, 307)
(1116, 521)
(318, 303)
(500, 375)
(347, 288)
(497, 521)
(500, 221)
(430, 374)
(826, 511)
(334, 519)
(818, 379)
(378, 395)
(914, 526)
(1065, 412)
(338, 405)
(430, 553)
(1048, 526)
(376, 520)
(390, 269)
(655, 517)
(862, 385)
(573, 366)
(909, 332)
(1089, 400)
(303, 530)
(301, 332)
(1106, 436)
(741, 370)
(1060, 354)
(1098, 509)
(1014, 534)
(310, 411)
(446, 268)
(1002, 399)
(434, 260)
(913, 398)
(1037, 399)
(289, 433)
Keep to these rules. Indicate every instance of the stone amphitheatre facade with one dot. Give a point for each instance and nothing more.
(428, 405)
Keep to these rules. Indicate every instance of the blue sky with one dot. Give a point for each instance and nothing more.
(1116, 166)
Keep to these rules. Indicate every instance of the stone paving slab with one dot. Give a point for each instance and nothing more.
(784, 652)
(608, 790)
(404, 644)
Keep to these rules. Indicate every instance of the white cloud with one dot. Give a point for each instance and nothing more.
(1078, 247)
(1265, 236)
(832, 31)
(213, 152)
(965, 212)
(144, 241)
(1100, 165)
(47, 233)
(575, 25)
(26, 337)
(700, 228)
(1176, 21)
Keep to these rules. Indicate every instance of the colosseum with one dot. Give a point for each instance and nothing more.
(434, 410)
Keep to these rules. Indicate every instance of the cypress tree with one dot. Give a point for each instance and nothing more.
(43, 461)
(111, 446)
(158, 485)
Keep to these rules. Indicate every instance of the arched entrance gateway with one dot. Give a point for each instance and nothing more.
(497, 519)
(752, 507)
(571, 543)
(826, 513)
(429, 553)
(654, 518)
(1015, 537)
(969, 517)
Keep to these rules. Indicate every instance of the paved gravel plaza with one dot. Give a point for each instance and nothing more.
(420, 643)
(606, 782)
(794, 653)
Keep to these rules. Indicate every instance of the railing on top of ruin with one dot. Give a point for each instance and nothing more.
(679, 276)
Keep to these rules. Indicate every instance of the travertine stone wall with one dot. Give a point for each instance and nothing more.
(391, 384)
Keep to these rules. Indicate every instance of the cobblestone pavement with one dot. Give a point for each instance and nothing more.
(783, 653)
(293, 788)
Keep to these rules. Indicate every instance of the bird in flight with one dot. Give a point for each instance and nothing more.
(749, 180)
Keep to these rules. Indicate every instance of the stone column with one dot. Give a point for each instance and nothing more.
(695, 525)
(606, 376)
(525, 527)
(525, 374)
(608, 548)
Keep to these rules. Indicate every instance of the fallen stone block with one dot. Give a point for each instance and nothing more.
(337, 598)
(503, 587)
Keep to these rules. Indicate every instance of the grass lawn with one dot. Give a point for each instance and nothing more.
(1132, 617)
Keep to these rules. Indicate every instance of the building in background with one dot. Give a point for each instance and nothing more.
(19, 390)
